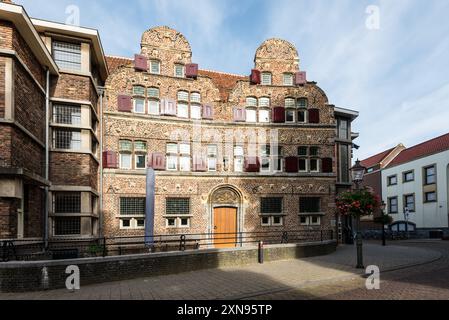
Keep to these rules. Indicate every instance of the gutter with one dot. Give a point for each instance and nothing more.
(47, 158)
(100, 118)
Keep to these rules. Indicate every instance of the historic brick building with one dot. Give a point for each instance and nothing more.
(49, 127)
(231, 153)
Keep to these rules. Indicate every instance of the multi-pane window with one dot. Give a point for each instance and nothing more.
(251, 109)
(132, 213)
(343, 129)
(430, 175)
(66, 139)
(212, 157)
(393, 205)
(288, 79)
(176, 210)
(301, 103)
(266, 78)
(264, 116)
(310, 220)
(430, 196)
(290, 116)
(392, 180)
(264, 102)
(140, 154)
(238, 158)
(67, 226)
(67, 202)
(179, 70)
(125, 148)
(183, 104)
(290, 103)
(309, 205)
(309, 159)
(265, 153)
(155, 66)
(153, 101)
(67, 55)
(195, 97)
(409, 176)
(195, 105)
(409, 202)
(343, 174)
(67, 114)
(271, 210)
(139, 105)
(178, 156)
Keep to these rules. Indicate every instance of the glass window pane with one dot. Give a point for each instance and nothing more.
(153, 107)
(172, 148)
(251, 115)
(183, 96)
(153, 92)
(141, 161)
(195, 97)
(177, 206)
(184, 164)
(65, 114)
(183, 110)
(139, 105)
(132, 206)
(139, 90)
(125, 161)
(184, 148)
(155, 66)
(251, 102)
(195, 112)
(264, 116)
(67, 55)
(290, 103)
(264, 102)
(288, 79)
(266, 78)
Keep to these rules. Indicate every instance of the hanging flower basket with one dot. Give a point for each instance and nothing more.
(358, 203)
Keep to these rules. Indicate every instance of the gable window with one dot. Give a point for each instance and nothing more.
(409, 176)
(266, 78)
(392, 180)
(67, 55)
(179, 71)
(66, 114)
(288, 79)
(393, 205)
(155, 67)
(66, 139)
(409, 201)
(430, 175)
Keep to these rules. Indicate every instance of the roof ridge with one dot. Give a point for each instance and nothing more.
(427, 141)
(225, 73)
(117, 57)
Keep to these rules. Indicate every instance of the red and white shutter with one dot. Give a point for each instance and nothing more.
(124, 103)
(314, 116)
(192, 70)
(278, 115)
(157, 161)
(300, 78)
(140, 63)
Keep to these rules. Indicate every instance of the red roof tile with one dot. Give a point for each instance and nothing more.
(376, 159)
(115, 62)
(225, 82)
(427, 148)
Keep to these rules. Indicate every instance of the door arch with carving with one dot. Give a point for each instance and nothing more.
(225, 216)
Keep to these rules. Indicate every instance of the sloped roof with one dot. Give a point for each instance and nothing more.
(427, 148)
(115, 62)
(225, 82)
(376, 159)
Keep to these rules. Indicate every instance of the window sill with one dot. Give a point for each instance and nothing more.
(309, 214)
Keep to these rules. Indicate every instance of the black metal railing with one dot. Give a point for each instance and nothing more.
(112, 246)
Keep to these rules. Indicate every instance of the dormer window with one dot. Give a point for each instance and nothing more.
(179, 71)
(155, 67)
(288, 79)
(266, 78)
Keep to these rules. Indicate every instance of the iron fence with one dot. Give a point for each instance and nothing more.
(111, 246)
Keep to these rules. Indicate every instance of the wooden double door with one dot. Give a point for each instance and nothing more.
(225, 227)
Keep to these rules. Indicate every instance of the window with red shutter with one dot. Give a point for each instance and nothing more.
(208, 112)
(291, 164)
(255, 76)
(110, 160)
(192, 70)
(140, 63)
(239, 115)
(252, 164)
(124, 103)
(327, 165)
(157, 161)
(279, 115)
(300, 78)
(314, 116)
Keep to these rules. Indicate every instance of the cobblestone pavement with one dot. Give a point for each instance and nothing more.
(408, 271)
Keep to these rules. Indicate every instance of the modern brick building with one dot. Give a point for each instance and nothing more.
(49, 127)
(232, 153)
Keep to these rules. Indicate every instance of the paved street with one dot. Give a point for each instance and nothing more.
(409, 270)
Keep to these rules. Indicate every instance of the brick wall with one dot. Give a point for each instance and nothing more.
(8, 217)
(73, 169)
(23, 149)
(28, 276)
(33, 219)
(5, 145)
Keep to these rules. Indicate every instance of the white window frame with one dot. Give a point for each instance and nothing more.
(136, 156)
(171, 218)
(294, 115)
(280, 224)
(264, 102)
(122, 227)
(183, 96)
(183, 110)
(317, 165)
(171, 158)
(263, 75)
(195, 97)
(265, 224)
(156, 102)
(264, 116)
(135, 104)
(212, 158)
(195, 111)
(130, 160)
(305, 115)
(153, 63)
(184, 163)
(290, 79)
(251, 115)
(307, 164)
(178, 65)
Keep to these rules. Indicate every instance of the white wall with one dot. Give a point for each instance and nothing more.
(426, 215)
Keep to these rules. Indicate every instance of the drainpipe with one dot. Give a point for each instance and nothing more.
(47, 158)
(100, 115)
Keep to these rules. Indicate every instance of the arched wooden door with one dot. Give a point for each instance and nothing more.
(225, 227)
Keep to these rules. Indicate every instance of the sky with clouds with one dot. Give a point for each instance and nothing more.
(396, 76)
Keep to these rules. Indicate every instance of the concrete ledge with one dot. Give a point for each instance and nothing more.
(45, 275)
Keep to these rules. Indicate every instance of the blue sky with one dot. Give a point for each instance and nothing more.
(397, 76)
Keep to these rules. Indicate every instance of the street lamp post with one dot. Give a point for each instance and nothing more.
(357, 173)
(382, 209)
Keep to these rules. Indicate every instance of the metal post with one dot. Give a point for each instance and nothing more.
(261, 257)
(359, 251)
(100, 209)
(149, 207)
(47, 159)
(383, 230)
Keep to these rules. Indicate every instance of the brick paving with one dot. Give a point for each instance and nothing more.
(327, 277)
